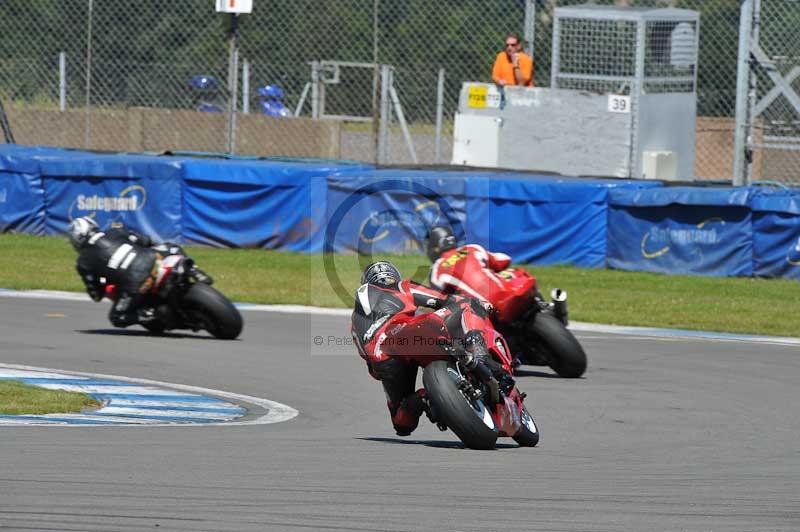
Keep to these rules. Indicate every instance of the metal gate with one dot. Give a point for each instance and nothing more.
(768, 115)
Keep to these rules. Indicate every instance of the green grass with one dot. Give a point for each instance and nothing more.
(742, 305)
(17, 398)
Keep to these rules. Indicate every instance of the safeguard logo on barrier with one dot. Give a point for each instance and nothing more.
(379, 224)
(130, 199)
(658, 241)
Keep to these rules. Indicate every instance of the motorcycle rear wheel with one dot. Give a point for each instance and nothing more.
(213, 311)
(469, 419)
(561, 349)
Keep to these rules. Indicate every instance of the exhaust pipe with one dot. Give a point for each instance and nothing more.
(559, 298)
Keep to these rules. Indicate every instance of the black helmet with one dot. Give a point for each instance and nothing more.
(382, 273)
(440, 239)
(80, 230)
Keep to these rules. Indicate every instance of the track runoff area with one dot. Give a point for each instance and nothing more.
(663, 433)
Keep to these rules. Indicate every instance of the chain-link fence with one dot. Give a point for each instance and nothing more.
(774, 139)
(153, 76)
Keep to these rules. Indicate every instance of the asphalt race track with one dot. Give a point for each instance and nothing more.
(661, 435)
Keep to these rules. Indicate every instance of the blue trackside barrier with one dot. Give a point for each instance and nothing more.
(141, 191)
(391, 211)
(322, 205)
(542, 219)
(275, 205)
(534, 218)
(692, 230)
(21, 195)
(776, 233)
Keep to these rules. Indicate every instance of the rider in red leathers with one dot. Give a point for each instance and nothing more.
(385, 319)
(469, 269)
(535, 329)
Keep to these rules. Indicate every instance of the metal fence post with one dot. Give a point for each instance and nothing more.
(635, 161)
(62, 81)
(5, 126)
(376, 74)
(245, 87)
(88, 123)
(437, 157)
(315, 89)
(233, 78)
(530, 25)
(386, 110)
(742, 92)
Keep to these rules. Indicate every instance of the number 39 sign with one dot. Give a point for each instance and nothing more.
(619, 104)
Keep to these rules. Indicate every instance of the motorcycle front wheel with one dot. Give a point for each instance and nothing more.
(469, 418)
(528, 433)
(213, 311)
(562, 350)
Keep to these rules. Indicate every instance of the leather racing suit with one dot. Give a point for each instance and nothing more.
(472, 270)
(122, 258)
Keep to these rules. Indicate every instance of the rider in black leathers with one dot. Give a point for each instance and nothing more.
(120, 257)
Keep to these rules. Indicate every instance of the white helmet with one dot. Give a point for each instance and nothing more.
(80, 230)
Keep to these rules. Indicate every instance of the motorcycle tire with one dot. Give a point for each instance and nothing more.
(528, 433)
(213, 311)
(470, 420)
(562, 350)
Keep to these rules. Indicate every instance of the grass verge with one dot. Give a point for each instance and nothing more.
(17, 398)
(740, 305)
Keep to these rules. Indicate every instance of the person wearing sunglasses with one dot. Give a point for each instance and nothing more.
(513, 66)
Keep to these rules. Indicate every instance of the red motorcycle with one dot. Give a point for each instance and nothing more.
(537, 330)
(464, 394)
(181, 298)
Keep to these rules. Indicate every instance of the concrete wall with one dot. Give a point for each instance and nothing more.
(156, 130)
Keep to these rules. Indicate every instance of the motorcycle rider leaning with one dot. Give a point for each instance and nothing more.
(384, 303)
(123, 258)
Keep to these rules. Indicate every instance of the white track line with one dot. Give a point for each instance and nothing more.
(574, 325)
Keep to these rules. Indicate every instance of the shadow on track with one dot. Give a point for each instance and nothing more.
(439, 444)
(138, 332)
(534, 373)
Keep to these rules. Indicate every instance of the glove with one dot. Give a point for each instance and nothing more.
(454, 303)
(475, 345)
(481, 308)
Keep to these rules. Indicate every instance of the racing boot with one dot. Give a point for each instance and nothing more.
(475, 346)
(123, 312)
(405, 417)
(200, 275)
(145, 315)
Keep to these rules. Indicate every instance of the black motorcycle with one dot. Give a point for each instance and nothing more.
(181, 297)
